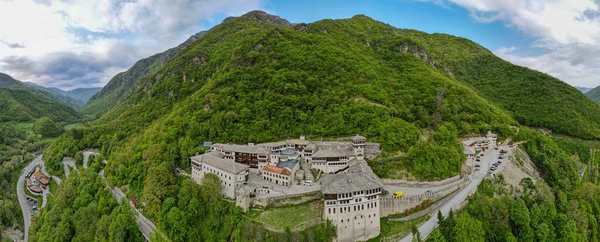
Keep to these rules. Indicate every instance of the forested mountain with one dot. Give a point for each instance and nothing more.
(124, 84)
(594, 94)
(83, 94)
(55, 94)
(258, 78)
(20, 102)
(73, 98)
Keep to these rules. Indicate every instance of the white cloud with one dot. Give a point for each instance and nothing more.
(101, 37)
(569, 30)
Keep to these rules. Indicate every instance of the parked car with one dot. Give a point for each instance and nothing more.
(477, 165)
(499, 162)
(398, 194)
(429, 192)
(495, 148)
(481, 154)
(308, 183)
(493, 168)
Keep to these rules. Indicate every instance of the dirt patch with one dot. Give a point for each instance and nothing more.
(518, 166)
(362, 99)
(13, 234)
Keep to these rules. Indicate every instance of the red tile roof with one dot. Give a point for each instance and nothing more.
(278, 170)
(38, 175)
(44, 181)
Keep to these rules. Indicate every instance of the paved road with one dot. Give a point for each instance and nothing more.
(146, 226)
(86, 156)
(489, 157)
(66, 164)
(26, 206)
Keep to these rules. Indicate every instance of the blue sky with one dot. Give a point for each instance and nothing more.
(84, 43)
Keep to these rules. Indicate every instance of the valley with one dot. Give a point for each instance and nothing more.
(259, 129)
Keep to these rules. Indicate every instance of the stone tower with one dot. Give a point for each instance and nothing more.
(358, 145)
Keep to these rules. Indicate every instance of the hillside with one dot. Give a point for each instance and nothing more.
(594, 94)
(258, 78)
(83, 94)
(55, 94)
(20, 102)
(124, 84)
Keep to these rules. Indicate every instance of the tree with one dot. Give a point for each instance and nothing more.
(520, 219)
(46, 127)
(211, 188)
(468, 229)
(158, 185)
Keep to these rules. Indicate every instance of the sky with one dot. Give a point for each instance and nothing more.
(77, 43)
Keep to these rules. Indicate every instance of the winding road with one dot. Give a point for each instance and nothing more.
(26, 206)
(489, 157)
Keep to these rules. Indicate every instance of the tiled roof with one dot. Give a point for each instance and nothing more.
(38, 175)
(242, 148)
(349, 182)
(358, 137)
(278, 170)
(333, 153)
(215, 159)
(287, 164)
(355, 166)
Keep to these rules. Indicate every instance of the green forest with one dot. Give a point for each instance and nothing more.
(259, 79)
(16, 148)
(559, 208)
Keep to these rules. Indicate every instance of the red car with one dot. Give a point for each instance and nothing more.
(481, 154)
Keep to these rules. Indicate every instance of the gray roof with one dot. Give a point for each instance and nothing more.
(358, 137)
(272, 144)
(215, 159)
(349, 182)
(355, 166)
(242, 148)
(467, 150)
(287, 164)
(333, 153)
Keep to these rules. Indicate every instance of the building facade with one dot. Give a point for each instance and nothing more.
(352, 204)
(233, 175)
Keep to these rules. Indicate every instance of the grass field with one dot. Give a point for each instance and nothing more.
(53, 186)
(289, 216)
(28, 193)
(75, 125)
(394, 228)
(25, 126)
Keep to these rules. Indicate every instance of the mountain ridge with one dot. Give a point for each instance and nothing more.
(22, 102)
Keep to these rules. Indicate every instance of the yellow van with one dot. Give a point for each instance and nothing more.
(398, 194)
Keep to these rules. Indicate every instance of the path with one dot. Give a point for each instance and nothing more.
(69, 162)
(26, 209)
(490, 156)
(86, 156)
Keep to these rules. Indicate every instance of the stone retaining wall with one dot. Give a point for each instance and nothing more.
(406, 183)
(278, 201)
(390, 205)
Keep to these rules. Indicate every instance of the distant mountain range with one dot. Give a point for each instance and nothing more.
(74, 98)
(584, 89)
(25, 102)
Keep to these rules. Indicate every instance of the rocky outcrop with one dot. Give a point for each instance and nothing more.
(417, 52)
